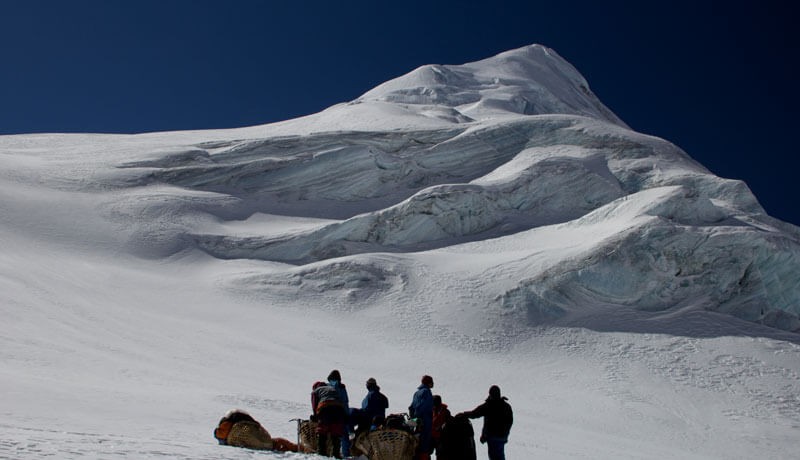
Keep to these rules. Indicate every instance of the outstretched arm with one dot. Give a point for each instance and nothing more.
(475, 413)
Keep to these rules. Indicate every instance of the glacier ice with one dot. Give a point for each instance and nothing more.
(512, 152)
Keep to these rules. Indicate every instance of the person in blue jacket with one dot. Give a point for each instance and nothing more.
(422, 409)
(335, 380)
(375, 403)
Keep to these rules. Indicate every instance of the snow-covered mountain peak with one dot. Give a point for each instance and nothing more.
(487, 223)
(531, 80)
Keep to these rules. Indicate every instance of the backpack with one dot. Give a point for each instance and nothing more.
(237, 428)
(325, 395)
(226, 423)
(458, 440)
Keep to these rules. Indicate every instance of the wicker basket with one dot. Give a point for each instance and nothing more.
(307, 435)
(250, 435)
(387, 444)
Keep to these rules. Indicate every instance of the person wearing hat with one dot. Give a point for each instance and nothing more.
(497, 420)
(375, 403)
(421, 408)
(335, 381)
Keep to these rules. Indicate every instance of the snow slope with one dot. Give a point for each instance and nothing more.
(487, 223)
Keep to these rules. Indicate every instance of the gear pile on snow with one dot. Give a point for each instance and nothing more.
(239, 429)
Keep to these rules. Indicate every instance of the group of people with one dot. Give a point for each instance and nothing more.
(336, 420)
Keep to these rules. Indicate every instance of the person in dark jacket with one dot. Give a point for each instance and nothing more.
(329, 413)
(374, 405)
(421, 408)
(441, 416)
(497, 420)
(457, 441)
(335, 380)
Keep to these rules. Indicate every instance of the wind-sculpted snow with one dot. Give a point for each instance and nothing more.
(709, 244)
(443, 215)
(341, 285)
(531, 81)
(301, 171)
(661, 264)
(514, 176)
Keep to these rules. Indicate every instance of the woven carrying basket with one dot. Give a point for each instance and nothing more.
(307, 434)
(387, 444)
(250, 435)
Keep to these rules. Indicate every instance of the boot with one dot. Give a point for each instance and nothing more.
(336, 448)
(322, 444)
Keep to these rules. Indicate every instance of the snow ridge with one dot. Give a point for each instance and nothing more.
(532, 80)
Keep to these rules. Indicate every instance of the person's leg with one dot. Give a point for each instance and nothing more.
(322, 443)
(425, 439)
(346, 441)
(496, 449)
(423, 448)
(336, 447)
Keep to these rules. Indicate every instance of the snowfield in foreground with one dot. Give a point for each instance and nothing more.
(489, 223)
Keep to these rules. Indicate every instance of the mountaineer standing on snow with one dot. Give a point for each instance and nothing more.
(375, 403)
(335, 380)
(421, 408)
(329, 413)
(497, 420)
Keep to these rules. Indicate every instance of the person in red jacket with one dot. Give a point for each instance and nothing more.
(441, 415)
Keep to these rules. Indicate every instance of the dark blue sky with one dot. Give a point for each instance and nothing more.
(715, 78)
